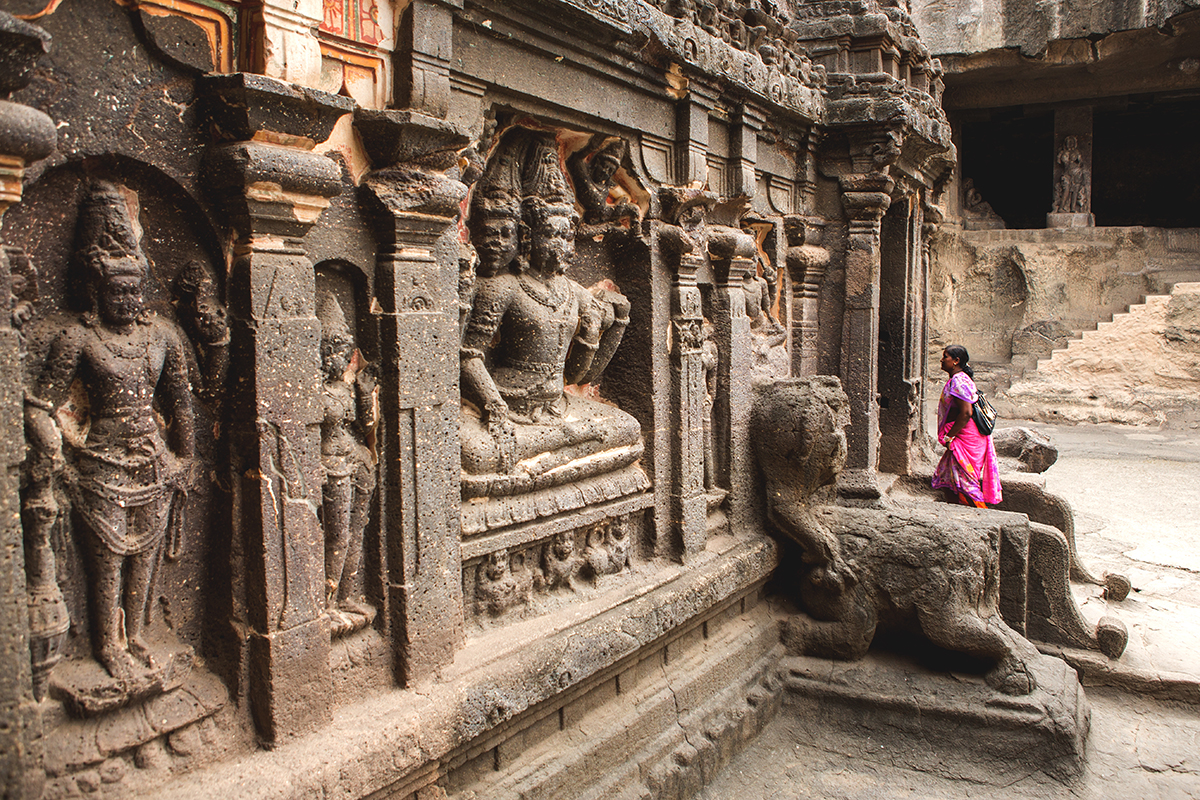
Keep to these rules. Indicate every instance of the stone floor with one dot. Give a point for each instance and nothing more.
(1136, 495)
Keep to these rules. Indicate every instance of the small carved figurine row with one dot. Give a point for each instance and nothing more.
(754, 26)
(507, 579)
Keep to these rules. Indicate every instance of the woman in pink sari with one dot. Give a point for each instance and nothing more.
(968, 470)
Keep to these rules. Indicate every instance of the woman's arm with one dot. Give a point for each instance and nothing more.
(960, 412)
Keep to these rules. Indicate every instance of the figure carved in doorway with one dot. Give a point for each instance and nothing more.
(1073, 194)
(593, 170)
(351, 410)
(533, 330)
(125, 482)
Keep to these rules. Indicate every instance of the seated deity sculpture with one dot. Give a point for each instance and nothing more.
(531, 332)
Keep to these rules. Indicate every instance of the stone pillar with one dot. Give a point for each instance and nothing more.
(415, 205)
(930, 223)
(689, 501)
(273, 187)
(26, 135)
(897, 388)
(806, 263)
(866, 198)
(1072, 169)
(732, 254)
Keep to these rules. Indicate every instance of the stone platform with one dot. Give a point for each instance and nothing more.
(890, 708)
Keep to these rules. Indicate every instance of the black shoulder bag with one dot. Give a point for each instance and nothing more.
(983, 414)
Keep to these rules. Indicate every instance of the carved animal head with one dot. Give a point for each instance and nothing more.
(798, 428)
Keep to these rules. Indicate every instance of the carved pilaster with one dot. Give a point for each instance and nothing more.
(732, 253)
(866, 199)
(424, 48)
(691, 141)
(745, 152)
(416, 205)
(274, 189)
(688, 498)
(806, 172)
(26, 135)
(806, 262)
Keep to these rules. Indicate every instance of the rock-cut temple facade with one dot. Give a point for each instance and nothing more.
(433, 398)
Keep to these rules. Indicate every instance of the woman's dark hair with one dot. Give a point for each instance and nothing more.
(960, 354)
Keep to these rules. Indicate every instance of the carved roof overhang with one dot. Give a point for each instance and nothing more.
(859, 20)
(910, 117)
(657, 38)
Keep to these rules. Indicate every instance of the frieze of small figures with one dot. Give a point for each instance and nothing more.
(524, 580)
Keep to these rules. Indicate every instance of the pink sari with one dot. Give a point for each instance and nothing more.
(969, 465)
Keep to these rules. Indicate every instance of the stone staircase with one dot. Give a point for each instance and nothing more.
(1142, 367)
(1088, 346)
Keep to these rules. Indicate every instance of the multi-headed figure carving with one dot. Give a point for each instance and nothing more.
(350, 402)
(496, 209)
(124, 480)
(533, 330)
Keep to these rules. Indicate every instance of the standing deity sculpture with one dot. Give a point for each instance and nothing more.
(532, 330)
(350, 403)
(49, 618)
(125, 482)
(1073, 194)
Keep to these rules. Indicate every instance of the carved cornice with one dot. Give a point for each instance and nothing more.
(417, 193)
(246, 106)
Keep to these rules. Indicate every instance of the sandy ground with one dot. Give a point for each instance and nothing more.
(1136, 495)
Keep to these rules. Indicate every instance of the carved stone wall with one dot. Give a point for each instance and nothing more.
(388, 368)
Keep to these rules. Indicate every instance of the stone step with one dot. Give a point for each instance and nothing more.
(1105, 330)
(660, 727)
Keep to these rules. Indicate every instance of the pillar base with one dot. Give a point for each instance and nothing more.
(1070, 221)
(289, 676)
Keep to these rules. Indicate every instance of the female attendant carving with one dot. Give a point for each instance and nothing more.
(350, 404)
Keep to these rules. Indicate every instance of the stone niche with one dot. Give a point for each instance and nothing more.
(553, 488)
(126, 353)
